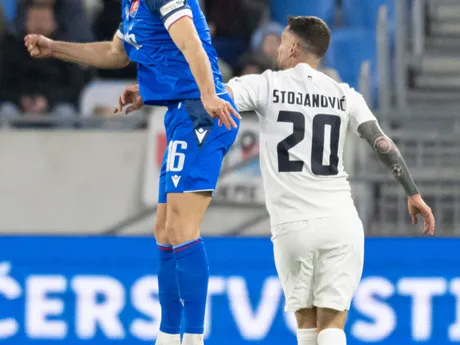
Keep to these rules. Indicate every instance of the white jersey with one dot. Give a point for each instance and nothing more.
(304, 117)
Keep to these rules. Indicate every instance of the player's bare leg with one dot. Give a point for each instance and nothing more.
(171, 306)
(161, 235)
(330, 325)
(185, 212)
(307, 333)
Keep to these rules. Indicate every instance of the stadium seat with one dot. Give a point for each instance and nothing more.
(9, 9)
(348, 50)
(359, 13)
(281, 9)
(229, 49)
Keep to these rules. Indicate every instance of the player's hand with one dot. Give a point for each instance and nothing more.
(417, 206)
(131, 97)
(222, 110)
(38, 46)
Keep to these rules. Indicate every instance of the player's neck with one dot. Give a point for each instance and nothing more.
(312, 63)
(310, 60)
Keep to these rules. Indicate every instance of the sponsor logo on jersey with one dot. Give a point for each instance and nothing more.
(175, 179)
(131, 39)
(134, 8)
(171, 6)
(200, 134)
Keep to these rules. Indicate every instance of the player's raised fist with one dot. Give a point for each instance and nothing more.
(222, 110)
(417, 206)
(38, 46)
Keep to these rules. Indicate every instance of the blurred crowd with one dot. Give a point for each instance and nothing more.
(244, 37)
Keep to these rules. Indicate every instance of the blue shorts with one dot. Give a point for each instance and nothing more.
(196, 148)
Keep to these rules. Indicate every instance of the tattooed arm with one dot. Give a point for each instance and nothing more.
(389, 154)
(364, 123)
(391, 157)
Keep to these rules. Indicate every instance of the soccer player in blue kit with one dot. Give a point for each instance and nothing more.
(177, 68)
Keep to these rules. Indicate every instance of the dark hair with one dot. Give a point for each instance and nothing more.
(313, 31)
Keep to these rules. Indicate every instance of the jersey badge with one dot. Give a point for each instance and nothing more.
(134, 8)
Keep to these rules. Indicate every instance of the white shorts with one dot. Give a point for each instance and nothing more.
(319, 261)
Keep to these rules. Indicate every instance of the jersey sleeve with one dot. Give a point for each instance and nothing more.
(358, 110)
(250, 92)
(121, 31)
(170, 11)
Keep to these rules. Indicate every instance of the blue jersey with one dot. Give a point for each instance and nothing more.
(163, 73)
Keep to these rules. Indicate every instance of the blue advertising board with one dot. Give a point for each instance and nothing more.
(103, 290)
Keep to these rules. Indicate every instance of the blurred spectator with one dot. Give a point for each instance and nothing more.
(92, 8)
(107, 20)
(70, 16)
(231, 23)
(253, 63)
(105, 25)
(266, 41)
(38, 85)
(234, 18)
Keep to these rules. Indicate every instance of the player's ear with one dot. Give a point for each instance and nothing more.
(292, 51)
(294, 48)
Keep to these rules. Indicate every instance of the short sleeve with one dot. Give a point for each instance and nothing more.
(121, 31)
(250, 92)
(170, 11)
(358, 110)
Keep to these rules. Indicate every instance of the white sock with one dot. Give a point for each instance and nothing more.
(167, 339)
(332, 336)
(192, 339)
(307, 336)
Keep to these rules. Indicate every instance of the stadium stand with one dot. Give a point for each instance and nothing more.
(349, 49)
(324, 9)
(364, 14)
(436, 78)
(9, 8)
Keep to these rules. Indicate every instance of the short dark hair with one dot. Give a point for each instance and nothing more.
(313, 31)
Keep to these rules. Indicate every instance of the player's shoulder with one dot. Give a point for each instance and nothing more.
(344, 88)
(267, 73)
(333, 83)
(353, 96)
(262, 78)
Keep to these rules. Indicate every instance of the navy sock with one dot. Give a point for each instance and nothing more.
(168, 291)
(193, 276)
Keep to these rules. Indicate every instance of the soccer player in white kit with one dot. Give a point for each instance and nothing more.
(317, 235)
